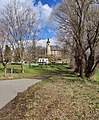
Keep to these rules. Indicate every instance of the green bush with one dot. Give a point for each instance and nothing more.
(16, 70)
(15, 63)
(1, 69)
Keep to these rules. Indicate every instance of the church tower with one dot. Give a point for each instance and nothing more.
(48, 47)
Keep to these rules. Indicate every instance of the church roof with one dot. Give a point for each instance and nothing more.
(55, 48)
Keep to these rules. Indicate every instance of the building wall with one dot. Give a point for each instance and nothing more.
(50, 52)
(56, 53)
(48, 49)
(43, 60)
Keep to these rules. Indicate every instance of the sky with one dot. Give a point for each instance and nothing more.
(51, 3)
(43, 9)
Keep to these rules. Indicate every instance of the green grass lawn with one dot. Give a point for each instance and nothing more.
(39, 71)
(30, 72)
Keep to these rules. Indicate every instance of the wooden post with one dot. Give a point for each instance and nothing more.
(11, 71)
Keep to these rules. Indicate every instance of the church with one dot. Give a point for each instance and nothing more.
(52, 49)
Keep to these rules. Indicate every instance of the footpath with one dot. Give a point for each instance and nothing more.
(10, 88)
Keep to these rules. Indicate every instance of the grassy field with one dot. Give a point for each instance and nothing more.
(62, 96)
(34, 71)
(29, 72)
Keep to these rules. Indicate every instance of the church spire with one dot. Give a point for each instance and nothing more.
(48, 41)
(48, 47)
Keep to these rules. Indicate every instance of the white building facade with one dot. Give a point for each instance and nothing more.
(43, 60)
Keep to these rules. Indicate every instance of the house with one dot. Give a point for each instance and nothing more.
(43, 60)
(53, 49)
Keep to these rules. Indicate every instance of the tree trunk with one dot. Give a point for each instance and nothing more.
(90, 65)
(71, 64)
(76, 64)
(5, 71)
(11, 72)
(29, 64)
(92, 70)
(79, 66)
(22, 67)
(82, 73)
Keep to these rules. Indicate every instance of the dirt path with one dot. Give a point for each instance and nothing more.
(10, 88)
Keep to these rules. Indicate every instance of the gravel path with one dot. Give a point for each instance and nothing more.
(10, 88)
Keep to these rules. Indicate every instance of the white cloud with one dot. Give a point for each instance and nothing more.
(4, 2)
(42, 42)
(43, 13)
(51, 31)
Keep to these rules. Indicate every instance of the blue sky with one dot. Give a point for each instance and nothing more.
(49, 2)
(44, 9)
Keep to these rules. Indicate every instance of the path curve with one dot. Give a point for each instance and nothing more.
(10, 88)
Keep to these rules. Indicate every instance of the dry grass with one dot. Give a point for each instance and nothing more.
(57, 98)
(60, 96)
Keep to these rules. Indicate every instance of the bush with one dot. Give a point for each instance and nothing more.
(15, 63)
(1, 69)
(16, 70)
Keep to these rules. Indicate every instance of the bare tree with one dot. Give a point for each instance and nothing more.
(18, 22)
(64, 36)
(31, 53)
(82, 19)
(40, 51)
(5, 55)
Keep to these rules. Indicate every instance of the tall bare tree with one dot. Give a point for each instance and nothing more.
(18, 22)
(81, 19)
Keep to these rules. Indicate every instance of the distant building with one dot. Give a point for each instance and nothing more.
(52, 50)
(43, 60)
